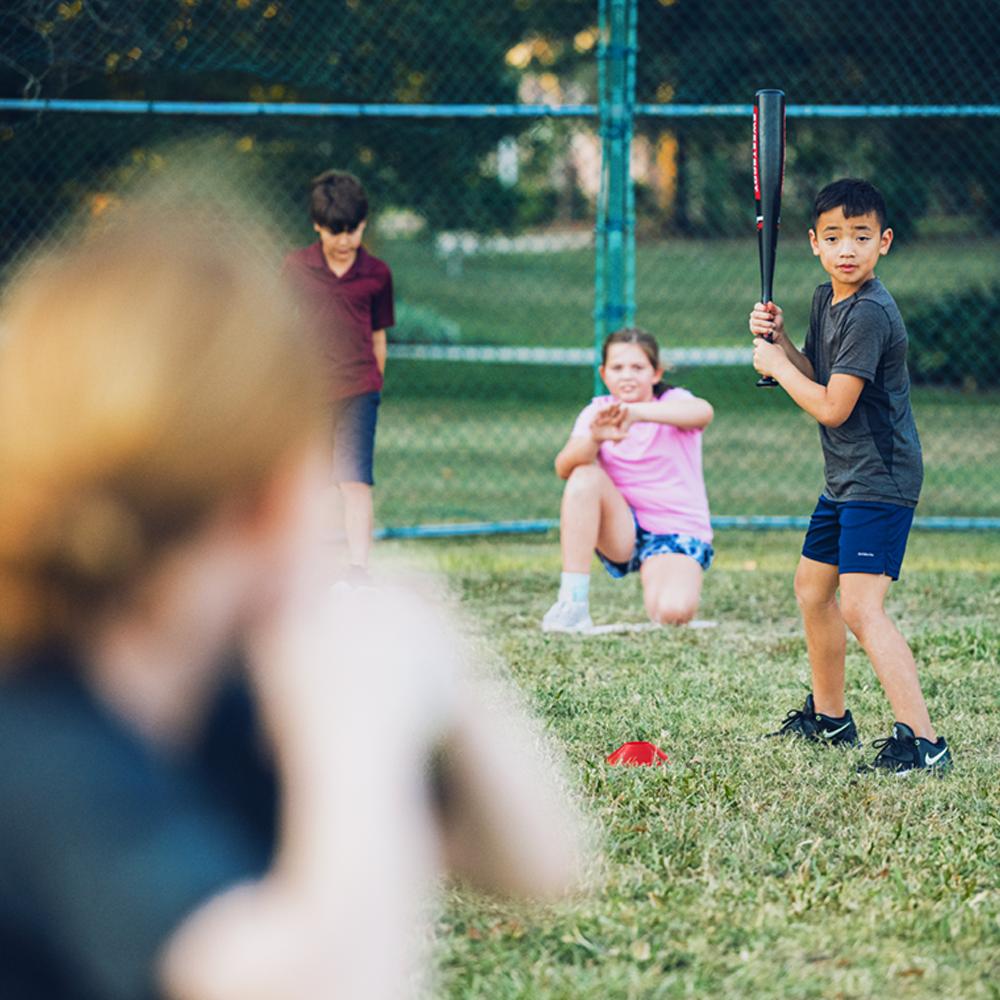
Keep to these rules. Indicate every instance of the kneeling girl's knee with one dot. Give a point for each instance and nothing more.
(584, 478)
(666, 609)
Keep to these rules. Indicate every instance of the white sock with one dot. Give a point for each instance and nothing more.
(574, 587)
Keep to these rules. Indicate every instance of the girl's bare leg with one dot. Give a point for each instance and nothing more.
(594, 515)
(671, 588)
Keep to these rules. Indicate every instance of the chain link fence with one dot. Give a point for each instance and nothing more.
(475, 128)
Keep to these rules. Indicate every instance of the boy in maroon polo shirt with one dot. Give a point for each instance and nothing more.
(347, 295)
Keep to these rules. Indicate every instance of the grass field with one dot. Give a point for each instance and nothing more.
(459, 442)
(688, 292)
(745, 869)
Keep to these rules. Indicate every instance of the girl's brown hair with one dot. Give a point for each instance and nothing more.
(642, 339)
(148, 373)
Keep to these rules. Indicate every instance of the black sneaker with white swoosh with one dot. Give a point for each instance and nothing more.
(904, 752)
(808, 724)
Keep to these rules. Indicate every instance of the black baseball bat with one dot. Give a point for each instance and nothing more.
(768, 176)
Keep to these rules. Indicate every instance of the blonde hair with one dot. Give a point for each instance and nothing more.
(147, 374)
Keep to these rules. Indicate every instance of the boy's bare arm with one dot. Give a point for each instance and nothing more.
(380, 349)
(768, 321)
(830, 404)
(337, 913)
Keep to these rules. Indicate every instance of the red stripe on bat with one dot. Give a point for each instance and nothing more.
(756, 162)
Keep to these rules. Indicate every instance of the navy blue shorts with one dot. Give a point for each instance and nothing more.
(647, 544)
(353, 424)
(859, 536)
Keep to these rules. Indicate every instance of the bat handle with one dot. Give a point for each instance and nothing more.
(765, 381)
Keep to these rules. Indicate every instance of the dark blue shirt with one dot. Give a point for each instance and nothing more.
(106, 843)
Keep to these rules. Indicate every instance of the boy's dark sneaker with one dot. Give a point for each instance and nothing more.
(811, 725)
(904, 752)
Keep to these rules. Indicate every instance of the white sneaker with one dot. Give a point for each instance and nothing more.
(567, 616)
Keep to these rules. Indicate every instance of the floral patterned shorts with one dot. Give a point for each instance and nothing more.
(647, 544)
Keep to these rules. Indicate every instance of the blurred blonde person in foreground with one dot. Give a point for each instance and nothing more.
(216, 779)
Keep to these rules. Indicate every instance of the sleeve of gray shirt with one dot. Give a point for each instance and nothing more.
(864, 337)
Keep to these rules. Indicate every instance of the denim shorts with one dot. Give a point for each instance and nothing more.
(859, 536)
(647, 544)
(353, 425)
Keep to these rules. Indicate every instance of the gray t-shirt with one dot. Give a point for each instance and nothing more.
(875, 453)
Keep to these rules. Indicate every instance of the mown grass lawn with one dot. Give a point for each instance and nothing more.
(744, 868)
(688, 292)
(464, 442)
(460, 441)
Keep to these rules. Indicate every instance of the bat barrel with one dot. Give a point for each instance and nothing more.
(769, 173)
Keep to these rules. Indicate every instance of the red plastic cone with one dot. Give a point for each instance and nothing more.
(640, 754)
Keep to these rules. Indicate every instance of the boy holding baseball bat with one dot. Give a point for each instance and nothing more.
(851, 376)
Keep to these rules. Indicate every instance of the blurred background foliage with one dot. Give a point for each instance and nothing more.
(935, 172)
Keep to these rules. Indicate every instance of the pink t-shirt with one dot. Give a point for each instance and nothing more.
(657, 468)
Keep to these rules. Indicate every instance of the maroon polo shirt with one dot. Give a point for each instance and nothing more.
(343, 312)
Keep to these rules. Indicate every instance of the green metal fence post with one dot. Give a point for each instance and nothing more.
(601, 209)
(631, 56)
(614, 255)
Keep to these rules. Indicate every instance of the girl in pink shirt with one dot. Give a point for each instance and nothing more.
(634, 489)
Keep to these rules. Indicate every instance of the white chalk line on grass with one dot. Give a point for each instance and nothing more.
(615, 628)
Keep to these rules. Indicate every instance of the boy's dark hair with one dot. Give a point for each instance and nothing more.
(338, 201)
(853, 195)
(642, 339)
